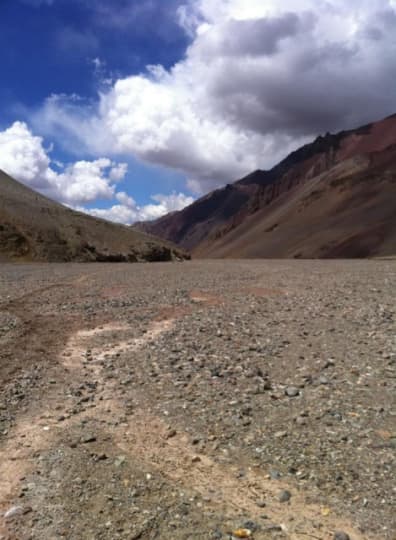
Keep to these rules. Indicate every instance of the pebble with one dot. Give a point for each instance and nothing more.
(273, 528)
(340, 535)
(251, 526)
(13, 511)
(242, 533)
(292, 391)
(323, 380)
(17, 511)
(284, 496)
(88, 439)
(120, 460)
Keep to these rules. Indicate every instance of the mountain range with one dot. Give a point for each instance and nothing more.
(333, 198)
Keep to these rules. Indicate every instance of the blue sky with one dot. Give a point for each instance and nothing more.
(52, 44)
(128, 109)
(54, 47)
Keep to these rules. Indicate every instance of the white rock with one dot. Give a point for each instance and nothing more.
(14, 511)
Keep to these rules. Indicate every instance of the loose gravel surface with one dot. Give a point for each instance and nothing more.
(198, 400)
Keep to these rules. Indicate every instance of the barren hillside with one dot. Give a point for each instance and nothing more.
(334, 197)
(34, 228)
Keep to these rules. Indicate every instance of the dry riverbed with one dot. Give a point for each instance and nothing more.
(198, 400)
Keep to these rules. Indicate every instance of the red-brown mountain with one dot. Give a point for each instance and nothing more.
(335, 197)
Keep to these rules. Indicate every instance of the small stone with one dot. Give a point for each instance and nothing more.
(14, 511)
(261, 504)
(329, 363)
(340, 535)
(171, 433)
(120, 460)
(274, 475)
(323, 380)
(196, 459)
(88, 439)
(292, 391)
(280, 434)
(284, 496)
(251, 526)
(242, 533)
(273, 528)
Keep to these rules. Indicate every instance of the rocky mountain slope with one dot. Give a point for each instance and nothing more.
(335, 197)
(34, 228)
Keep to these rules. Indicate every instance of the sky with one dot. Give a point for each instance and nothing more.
(129, 109)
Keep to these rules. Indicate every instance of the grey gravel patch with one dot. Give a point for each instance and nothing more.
(217, 377)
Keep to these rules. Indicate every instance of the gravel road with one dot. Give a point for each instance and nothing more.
(198, 400)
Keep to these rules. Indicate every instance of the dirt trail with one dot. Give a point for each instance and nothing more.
(132, 413)
(146, 438)
(33, 432)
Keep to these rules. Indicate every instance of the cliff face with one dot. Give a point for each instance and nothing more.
(334, 197)
(34, 228)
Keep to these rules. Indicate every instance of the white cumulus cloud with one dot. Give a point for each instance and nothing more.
(258, 79)
(128, 212)
(23, 156)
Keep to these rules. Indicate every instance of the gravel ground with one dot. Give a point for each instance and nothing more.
(204, 399)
